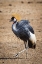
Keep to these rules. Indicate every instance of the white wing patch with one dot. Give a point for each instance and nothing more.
(32, 38)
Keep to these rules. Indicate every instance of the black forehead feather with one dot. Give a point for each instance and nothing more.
(12, 18)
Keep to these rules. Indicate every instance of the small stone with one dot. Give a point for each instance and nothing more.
(22, 2)
(0, 11)
(2, 62)
(10, 4)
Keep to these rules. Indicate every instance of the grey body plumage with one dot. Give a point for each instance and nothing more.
(24, 31)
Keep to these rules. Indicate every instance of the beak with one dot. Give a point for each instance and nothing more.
(10, 20)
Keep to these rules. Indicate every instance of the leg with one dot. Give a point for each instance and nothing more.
(26, 46)
(16, 55)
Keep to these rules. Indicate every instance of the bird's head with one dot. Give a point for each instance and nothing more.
(13, 19)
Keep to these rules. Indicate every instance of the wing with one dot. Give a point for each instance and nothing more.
(30, 29)
(24, 29)
(23, 32)
(24, 26)
(24, 22)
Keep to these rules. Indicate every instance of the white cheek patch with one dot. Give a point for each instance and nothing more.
(14, 19)
(32, 38)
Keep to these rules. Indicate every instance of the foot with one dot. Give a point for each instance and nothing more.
(16, 55)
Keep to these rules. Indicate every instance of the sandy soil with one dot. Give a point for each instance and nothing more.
(9, 43)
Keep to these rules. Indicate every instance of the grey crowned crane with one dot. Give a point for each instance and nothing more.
(25, 32)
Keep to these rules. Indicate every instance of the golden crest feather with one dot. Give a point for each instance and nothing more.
(17, 16)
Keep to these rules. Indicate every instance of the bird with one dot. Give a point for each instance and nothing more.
(25, 32)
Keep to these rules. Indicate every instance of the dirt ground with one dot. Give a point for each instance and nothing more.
(9, 43)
